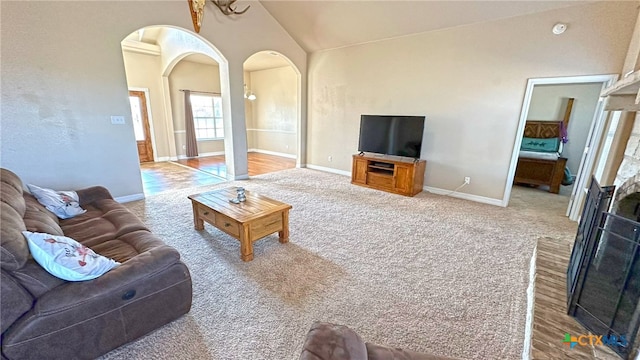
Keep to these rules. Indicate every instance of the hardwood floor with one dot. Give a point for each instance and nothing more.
(550, 320)
(258, 163)
(162, 176)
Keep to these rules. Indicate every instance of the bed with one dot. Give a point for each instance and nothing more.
(540, 161)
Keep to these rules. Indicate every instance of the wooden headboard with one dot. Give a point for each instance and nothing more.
(548, 129)
(542, 129)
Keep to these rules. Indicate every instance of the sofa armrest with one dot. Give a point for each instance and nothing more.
(327, 341)
(379, 352)
(91, 194)
(125, 283)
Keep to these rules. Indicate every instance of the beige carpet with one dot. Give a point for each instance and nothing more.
(429, 273)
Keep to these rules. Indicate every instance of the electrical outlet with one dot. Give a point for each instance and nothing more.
(117, 120)
(330, 158)
(467, 179)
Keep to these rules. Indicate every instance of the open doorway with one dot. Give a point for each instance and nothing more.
(160, 63)
(141, 124)
(545, 98)
(272, 112)
(196, 103)
(168, 60)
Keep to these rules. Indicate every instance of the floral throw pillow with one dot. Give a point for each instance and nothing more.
(66, 258)
(62, 203)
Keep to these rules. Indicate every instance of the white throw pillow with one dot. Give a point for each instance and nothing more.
(66, 258)
(62, 203)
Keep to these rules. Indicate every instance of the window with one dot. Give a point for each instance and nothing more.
(207, 117)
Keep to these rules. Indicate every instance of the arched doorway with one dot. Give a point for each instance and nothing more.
(150, 55)
(272, 111)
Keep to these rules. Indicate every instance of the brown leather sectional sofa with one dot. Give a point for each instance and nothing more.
(44, 317)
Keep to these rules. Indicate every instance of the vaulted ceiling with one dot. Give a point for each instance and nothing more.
(321, 24)
(325, 24)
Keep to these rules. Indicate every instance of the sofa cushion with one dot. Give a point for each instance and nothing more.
(14, 300)
(11, 191)
(39, 219)
(13, 251)
(104, 220)
(327, 341)
(36, 279)
(128, 245)
(62, 203)
(66, 258)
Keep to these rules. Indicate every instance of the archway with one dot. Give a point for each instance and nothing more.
(155, 51)
(273, 104)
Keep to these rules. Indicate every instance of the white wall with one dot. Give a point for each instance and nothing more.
(548, 102)
(63, 77)
(274, 124)
(468, 81)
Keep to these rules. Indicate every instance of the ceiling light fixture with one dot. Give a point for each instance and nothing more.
(226, 7)
(248, 94)
(559, 28)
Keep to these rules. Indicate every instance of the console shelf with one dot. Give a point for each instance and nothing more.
(395, 176)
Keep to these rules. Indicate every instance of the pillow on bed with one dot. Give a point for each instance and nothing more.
(541, 145)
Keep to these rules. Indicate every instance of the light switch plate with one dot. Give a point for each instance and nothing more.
(117, 120)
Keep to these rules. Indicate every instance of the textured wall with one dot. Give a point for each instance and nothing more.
(468, 81)
(63, 77)
(274, 124)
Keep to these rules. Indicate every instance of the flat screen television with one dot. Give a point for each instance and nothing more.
(391, 135)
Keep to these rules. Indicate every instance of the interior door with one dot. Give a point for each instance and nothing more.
(587, 162)
(141, 127)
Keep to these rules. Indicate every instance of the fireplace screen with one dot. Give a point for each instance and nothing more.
(603, 277)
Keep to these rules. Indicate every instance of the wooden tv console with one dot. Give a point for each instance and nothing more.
(404, 177)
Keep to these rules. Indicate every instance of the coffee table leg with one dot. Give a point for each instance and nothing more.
(284, 233)
(246, 247)
(197, 221)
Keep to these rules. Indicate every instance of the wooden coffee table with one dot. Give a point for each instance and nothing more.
(247, 221)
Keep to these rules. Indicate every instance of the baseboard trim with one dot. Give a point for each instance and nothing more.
(465, 196)
(129, 198)
(329, 170)
(215, 153)
(274, 153)
(531, 292)
(165, 158)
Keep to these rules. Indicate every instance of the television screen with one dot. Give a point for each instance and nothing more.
(391, 135)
